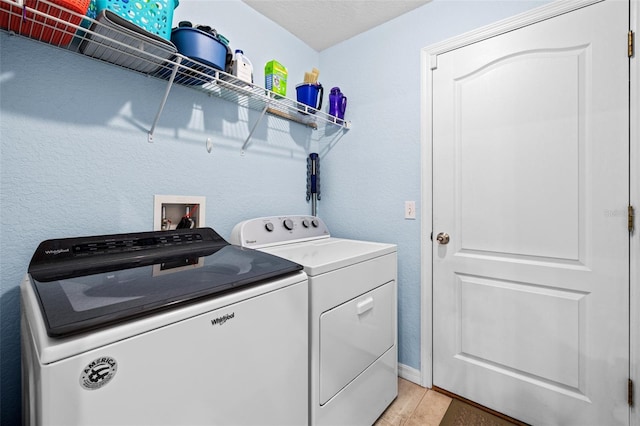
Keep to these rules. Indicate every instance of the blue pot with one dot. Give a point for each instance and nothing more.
(200, 46)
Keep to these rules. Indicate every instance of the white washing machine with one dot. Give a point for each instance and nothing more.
(352, 315)
(163, 328)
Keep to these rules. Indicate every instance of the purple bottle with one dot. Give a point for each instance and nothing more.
(337, 103)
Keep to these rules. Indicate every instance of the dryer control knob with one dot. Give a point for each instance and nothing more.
(268, 226)
(315, 223)
(305, 223)
(288, 223)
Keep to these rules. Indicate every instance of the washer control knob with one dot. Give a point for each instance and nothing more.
(305, 223)
(315, 223)
(288, 223)
(268, 226)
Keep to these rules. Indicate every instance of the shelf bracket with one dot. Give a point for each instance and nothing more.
(253, 129)
(164, 99)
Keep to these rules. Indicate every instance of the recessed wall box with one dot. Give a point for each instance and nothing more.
(169, 211)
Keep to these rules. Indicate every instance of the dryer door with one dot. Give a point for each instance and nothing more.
(352, 336)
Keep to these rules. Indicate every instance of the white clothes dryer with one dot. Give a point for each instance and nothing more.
(352, 315)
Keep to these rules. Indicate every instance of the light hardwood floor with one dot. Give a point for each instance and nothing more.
(415, 406)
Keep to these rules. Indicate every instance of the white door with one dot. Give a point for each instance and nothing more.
(531, 183)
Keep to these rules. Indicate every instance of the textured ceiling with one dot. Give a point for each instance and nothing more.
(323, 23)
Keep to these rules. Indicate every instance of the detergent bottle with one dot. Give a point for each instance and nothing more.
(242, 67)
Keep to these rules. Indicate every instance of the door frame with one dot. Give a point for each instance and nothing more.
(428, 62)
(634, 198)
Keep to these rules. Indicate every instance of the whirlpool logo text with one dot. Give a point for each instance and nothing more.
(57, 251)
(221, 320)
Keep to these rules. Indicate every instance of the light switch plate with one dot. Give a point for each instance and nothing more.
(409, 209)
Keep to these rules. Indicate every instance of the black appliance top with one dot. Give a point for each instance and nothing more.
(86, 283)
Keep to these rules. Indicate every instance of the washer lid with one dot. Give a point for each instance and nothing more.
(90, 282)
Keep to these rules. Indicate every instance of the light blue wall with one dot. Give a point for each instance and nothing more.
(367, 178)
(74, 159)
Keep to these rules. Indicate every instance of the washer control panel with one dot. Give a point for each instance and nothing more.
(276, 230)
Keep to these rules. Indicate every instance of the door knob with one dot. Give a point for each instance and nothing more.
(442, 238)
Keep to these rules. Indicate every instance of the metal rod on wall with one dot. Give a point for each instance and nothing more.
(313, 181)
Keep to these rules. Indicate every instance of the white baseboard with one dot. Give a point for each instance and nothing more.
(410, 374)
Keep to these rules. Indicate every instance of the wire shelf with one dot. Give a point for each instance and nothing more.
(111, 39)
